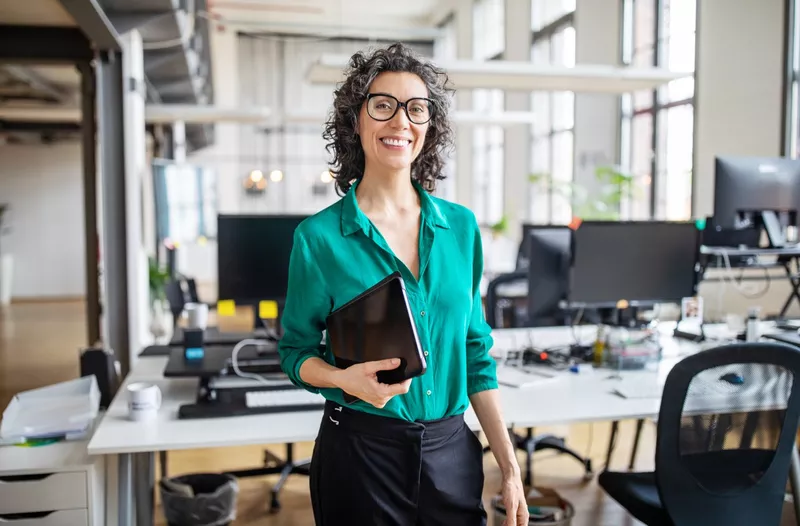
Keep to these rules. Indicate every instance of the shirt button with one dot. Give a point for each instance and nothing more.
(429, 392)
(422, 313)
(425, 353)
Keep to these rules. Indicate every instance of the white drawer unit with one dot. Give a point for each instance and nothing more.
(43, 492)
(52, 485)
(48, 518)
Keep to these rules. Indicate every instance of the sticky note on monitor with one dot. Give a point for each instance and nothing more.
(268, 310)
(226, 308)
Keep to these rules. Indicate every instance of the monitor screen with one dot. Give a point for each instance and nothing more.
(550, 253)
(750, 185)
(253, 256)
(641, 262)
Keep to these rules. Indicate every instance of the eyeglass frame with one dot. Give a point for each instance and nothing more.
(404, 105)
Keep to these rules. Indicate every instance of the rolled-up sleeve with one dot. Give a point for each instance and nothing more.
(306, 307)
(481, 367)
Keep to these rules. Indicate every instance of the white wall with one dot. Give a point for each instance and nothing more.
(739, 111)
(43, 186)
(597, 41)
(739, 87)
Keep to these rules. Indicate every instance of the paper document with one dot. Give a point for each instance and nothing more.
(523, 376)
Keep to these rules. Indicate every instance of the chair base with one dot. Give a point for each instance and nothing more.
(530, 444)
(274, 465)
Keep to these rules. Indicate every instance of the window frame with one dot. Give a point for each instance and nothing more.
(657, 109)
(546, 33)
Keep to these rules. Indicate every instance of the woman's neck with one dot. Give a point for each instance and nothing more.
(384, 194)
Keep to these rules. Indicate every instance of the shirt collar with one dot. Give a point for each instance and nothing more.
(353, 219)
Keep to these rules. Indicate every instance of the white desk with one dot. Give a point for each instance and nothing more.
(573, 398)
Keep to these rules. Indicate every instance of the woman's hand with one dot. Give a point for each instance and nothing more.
(514, 501)
(361, 380)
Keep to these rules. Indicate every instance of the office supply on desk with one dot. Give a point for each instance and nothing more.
(252, 400)
(523, 376)
(253, 254)
(144, 401)
(611, 266)
(196, 315)
(719, 462)
(759, 192)
(377, 325)
(216, 361)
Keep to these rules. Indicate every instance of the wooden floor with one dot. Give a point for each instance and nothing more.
(39, 345)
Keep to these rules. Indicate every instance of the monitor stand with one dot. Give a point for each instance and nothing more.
(772, 224)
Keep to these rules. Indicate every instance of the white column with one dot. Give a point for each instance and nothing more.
(517, 138)
(136, 170)
(464, 143)
(739, 111)
(596, 136)
(738, 88)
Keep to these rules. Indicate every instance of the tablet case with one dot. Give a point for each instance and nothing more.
(376, 325)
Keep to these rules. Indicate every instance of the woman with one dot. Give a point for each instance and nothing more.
(401, 454)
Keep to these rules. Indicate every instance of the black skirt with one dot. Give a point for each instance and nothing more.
(378, 471)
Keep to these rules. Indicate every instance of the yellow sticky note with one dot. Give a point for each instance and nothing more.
(268, 310)
(226, 308)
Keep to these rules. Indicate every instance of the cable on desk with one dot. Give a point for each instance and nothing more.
(727, 276)
(235, 364)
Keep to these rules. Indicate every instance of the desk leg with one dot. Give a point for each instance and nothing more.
(144, 487)
(794, 477)
(125, 488)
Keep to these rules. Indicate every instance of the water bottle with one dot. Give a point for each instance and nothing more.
(752, 332)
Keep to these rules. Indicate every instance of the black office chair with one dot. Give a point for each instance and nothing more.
(716, 463)
(176, 299)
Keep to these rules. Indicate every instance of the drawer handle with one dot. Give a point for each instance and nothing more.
(10, 517)
(26, 478)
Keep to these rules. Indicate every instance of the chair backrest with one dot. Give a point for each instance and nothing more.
(726, 430)
(175, 296)
(191, 288)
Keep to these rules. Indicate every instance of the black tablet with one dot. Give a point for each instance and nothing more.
(377, 325)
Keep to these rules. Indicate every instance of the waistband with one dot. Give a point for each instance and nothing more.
(390, 427)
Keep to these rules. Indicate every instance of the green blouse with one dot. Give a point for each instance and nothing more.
(338, 253)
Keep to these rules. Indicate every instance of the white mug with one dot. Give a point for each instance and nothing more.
(196, 315)
(144, 401)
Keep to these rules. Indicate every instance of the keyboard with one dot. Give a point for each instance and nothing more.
(280, 398)
(242, 402)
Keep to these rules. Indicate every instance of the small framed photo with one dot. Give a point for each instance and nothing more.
(692, 310)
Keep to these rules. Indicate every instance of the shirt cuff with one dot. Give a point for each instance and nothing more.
(295, 376)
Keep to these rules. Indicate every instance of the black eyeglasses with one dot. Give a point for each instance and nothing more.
(383, 107)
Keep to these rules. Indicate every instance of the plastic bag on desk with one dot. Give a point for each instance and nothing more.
(200, 499)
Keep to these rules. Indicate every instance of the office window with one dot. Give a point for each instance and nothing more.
(552, 133)
(186, 201)
(658, 126)
(487, 168)
(488, 141)
(488, 28)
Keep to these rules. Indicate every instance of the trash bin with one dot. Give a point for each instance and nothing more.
(546, 503)
(200, 499)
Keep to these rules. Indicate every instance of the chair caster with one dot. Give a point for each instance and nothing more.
(588, 474)
(274, 505)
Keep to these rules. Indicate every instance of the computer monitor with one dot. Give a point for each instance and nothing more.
(550, 251)
(757, 190)
(253, 256)
(642, 263)
(523, 255)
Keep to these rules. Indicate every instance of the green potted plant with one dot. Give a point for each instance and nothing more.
(606, 204)
(158, 282)
(6, 260)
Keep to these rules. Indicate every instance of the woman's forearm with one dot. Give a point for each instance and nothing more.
(487, 408)
(319, 373)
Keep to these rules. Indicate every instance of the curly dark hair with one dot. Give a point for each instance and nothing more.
(341, 128)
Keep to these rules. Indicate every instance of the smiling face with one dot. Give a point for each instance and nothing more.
(395, 143)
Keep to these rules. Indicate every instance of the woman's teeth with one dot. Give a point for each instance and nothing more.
(395, 142)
